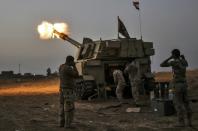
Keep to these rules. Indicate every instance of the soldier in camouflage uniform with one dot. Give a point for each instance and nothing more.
(179, 84)
(135, 80)
(68, 73)
(120, 82)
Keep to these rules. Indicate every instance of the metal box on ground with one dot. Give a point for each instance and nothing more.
(163, 107)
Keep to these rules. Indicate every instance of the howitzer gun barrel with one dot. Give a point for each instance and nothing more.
(67, 38)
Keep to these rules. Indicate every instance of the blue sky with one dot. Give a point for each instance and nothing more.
(167, 23)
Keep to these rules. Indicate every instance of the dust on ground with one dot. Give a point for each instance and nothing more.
(33, 106)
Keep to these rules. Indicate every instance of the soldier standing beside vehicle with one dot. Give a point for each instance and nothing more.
(135, 80)
(68, 73)
(120, 82)
(179, 84)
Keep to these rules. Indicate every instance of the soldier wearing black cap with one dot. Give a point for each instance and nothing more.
(68, 73)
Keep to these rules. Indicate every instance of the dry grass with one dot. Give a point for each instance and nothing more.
(30, 88)
(163, 76)
(52, 86)
(192, 77)
(167, 76)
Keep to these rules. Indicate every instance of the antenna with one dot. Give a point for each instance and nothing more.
(19, 68)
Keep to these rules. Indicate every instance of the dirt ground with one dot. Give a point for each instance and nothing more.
(33, 106)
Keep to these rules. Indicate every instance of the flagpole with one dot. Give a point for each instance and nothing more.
(118, 26)
(118, 35)
(140, 23)
(136, 3)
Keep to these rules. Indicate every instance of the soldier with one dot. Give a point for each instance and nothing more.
(120, 82)
(68, 73)
(179, 84)
(135, 80)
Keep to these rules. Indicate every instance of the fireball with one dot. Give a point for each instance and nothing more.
(47, 30)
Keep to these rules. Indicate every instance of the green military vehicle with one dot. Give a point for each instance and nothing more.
(96, 59)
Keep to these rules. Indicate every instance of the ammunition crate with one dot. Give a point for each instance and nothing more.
(163, 107)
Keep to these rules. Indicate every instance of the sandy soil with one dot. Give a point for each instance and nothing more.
(33, 106)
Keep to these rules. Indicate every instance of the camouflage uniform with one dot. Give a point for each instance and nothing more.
(179, 85)
(67, 76)
(120, 81)
(135, 80)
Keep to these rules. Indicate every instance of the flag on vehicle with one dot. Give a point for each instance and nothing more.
(122, 29)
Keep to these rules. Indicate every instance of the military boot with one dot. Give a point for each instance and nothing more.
(180, 123)
(61, 123)
(189, 123)
(189, 119)
(69, 118)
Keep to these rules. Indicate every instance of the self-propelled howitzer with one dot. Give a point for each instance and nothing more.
(97, 59)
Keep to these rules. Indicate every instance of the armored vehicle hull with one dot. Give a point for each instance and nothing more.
(97, 59)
